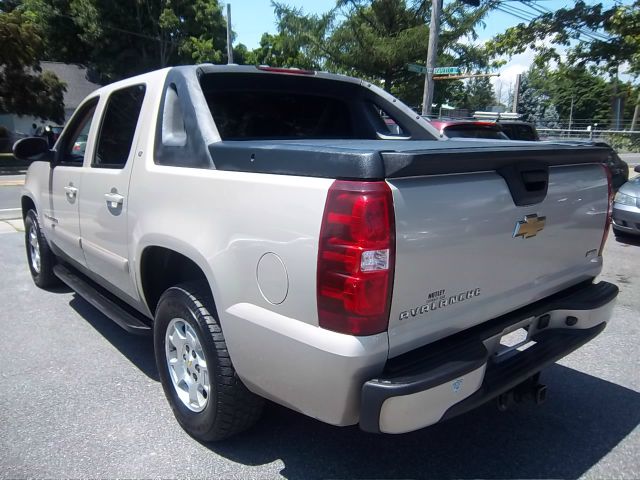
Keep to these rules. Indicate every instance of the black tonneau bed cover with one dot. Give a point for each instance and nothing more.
(380, 159)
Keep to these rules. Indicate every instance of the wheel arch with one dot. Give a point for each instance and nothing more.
(161, 266)
(27, 203)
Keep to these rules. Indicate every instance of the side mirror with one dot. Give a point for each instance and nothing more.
(31, 148)
(637, 169)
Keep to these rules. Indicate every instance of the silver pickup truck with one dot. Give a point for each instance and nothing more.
(281, 242)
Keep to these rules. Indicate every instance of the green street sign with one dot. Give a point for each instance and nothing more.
(414, 67)
(446, 71)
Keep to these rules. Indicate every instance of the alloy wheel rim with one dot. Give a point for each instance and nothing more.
(187, 365)
(34, 249)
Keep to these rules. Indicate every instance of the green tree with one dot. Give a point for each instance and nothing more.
(550, 118)
(376, 39)
(547, 95)
(24, 88)
(591, 93)
(123, 38)
(607, 39)
(281, 51)
(478, 94)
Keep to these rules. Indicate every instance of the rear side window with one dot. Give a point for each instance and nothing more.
(119, 127)
(245, 115)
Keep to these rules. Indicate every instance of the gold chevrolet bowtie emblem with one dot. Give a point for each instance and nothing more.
(529, 227)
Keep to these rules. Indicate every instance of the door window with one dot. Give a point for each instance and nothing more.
(75, 142)
(119, 127)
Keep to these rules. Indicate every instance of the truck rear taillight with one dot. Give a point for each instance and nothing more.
(356, 257)
(607, 223)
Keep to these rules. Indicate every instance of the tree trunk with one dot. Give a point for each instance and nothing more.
(388, 81)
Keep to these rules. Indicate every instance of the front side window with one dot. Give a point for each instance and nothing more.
(119, 127)
(75, 144)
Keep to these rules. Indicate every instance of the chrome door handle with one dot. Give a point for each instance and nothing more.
(71, 191)
(114, 199)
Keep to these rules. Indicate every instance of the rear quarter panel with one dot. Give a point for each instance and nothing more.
(226, 221)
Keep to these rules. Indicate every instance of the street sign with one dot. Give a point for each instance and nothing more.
(446, 71)
(414, 67)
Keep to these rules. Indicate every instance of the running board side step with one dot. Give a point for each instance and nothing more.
(108, 307)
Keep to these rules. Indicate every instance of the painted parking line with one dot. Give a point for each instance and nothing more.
(6, 228)
(10, 214)
(11, 225)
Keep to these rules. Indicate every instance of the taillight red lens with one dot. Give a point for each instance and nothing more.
(607, 223)
(356, 258)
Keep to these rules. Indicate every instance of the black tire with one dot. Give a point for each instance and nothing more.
(231, 407)
(44, 277)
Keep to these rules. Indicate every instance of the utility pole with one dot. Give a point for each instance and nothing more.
(229, 45)
(571, 115)
(516, 95)
(432, 54)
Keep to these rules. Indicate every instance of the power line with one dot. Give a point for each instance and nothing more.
(538, 9)
(528, 16)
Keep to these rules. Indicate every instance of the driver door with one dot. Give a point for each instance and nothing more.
(65, 183)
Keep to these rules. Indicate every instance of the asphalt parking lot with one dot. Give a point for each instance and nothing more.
(80, 398)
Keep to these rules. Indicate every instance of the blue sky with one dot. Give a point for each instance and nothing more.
(251, 18)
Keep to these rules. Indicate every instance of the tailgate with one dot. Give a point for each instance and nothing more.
(466, 253)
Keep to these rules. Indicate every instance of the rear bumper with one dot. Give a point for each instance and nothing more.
(461, 372)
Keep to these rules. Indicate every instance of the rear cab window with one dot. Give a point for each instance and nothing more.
(291, 107)
(265, 115)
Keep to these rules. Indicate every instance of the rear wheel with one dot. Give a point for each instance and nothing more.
(206, 395)
(39, 256)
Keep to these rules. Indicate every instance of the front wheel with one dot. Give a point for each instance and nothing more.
(39, 256)
(206, 395)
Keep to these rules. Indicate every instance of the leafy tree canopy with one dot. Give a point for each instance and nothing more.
(281, 51)
(543, 88)
(24, 88)
(376, 39)
(605, 37)
(118, 38)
